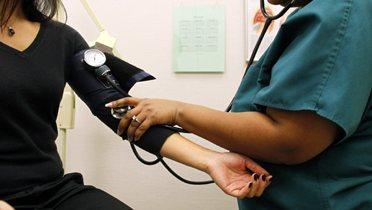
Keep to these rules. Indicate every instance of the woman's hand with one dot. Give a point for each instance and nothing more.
(236, 175)
(147, 112)
(233, 174)
(5, 206)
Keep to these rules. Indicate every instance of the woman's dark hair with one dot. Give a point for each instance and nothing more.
(34, 10)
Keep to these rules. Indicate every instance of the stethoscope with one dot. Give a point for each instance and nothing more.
(120, 112)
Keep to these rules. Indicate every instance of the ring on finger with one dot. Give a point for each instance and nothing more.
(136, 120)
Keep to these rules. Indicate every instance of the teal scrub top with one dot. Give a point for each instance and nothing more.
(321, 60)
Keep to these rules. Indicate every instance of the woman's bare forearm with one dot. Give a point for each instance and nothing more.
(182, 150)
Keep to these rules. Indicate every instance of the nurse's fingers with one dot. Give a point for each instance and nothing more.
(143, 127)
(135, 123)
(129, 101)
(127, 120)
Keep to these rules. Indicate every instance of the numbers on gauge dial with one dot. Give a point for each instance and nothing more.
(94, 58)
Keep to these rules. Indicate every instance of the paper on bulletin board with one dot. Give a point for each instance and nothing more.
(199, 38)
(255, 22)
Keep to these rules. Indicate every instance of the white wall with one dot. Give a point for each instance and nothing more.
(144, 30)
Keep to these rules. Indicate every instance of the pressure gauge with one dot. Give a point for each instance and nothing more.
(94, 58)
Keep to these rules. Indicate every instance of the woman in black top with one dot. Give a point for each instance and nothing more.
(36, 61)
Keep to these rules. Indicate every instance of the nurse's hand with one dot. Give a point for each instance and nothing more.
(239, 176)
(148, 112)
(5, 206)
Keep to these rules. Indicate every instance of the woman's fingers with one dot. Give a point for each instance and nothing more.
(262, 184)
(264, 181)
(129, 101)
(244, 192)
(255, 186)
(238, 190)
(261, 181)
(269, 179)
(253, 189)
(254, 167)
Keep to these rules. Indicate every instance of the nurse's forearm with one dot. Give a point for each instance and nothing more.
(281, 137)
(251, 133)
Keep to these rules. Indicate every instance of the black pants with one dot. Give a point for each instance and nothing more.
(92, 199)
(69, 193)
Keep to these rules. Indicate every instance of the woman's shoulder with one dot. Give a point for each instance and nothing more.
(66, 33)
(60, 28)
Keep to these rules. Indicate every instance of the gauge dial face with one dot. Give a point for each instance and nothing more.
(94, 58)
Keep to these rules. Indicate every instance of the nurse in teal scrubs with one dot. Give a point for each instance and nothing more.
(303, 111)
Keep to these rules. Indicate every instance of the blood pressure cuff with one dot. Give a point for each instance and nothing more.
(126, 74)
(96, 95)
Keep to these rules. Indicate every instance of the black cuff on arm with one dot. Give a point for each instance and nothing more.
(95, 95)
(154, 138)
(125, 73)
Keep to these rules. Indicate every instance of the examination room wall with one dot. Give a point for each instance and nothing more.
(144, 32)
